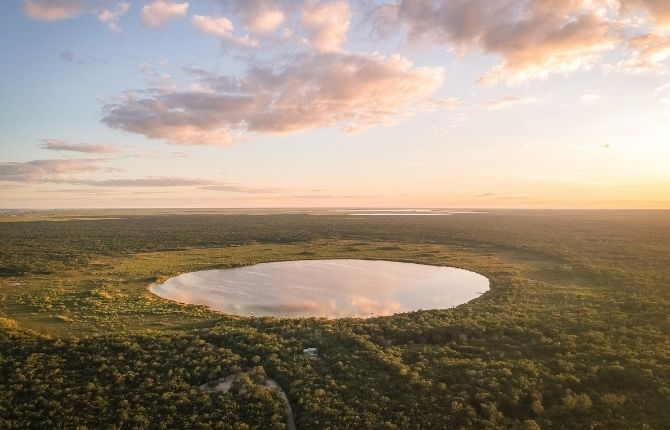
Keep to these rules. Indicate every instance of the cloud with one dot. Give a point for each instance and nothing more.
(260, 17)
(313, 91)
(159, 12)
(64, 171)
(663, 92)
(154, 77)
(485, 195)
(659, 10)
(70, 57)
(503, 102)
(326, 24)
(234, 188)
(221, 27)
(649, 53)
(73, 57)
(181, 154)
(111, 16)
(448, 103)
(178, 117)
(663, 88)
(589, 98)
(534, 38)
(146, 182)
(61, 145)
(45, 170)
(53, 10)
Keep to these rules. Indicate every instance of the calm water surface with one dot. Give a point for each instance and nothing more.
(325, 288)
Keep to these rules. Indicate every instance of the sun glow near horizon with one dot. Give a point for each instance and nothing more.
(279, 103)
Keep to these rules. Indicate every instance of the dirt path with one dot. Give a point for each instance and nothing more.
(224, 385)
(290, 422)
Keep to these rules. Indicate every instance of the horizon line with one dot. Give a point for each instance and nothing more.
(351, 208)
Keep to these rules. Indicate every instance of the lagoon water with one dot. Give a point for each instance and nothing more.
(325, 288)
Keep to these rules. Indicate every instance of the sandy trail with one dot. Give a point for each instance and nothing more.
(224, 385)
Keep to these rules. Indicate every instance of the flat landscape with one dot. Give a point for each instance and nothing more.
(335, 214)
(573, 333)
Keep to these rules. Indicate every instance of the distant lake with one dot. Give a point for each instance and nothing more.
(406, 212)
(325, 288)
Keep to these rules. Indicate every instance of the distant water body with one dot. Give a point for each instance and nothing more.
(325, 288)
(406, 212)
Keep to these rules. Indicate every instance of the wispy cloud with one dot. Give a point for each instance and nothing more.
(157, 78)
(663, 88)
(663, 92)
(234, 188)
(82, 59)
(111, 16)
(649, 53)
(503, 102)
(62, 145)
(46, 170)
(69, 171)
(180, 154)
(589, 98)
(146, 182)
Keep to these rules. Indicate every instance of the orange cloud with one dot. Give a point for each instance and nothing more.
(649, 52)
(324, 90)
(659, 10)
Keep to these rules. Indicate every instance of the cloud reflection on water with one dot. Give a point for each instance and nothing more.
(325, 288)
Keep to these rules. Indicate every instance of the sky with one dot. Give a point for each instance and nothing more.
(340, 103)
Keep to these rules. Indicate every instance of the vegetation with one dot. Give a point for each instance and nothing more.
(574, 332)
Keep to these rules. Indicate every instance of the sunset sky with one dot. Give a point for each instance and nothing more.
(273, 103)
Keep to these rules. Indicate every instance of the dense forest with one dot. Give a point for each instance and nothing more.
(574, 332)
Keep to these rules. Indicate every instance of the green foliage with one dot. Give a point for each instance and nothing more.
(573, 334)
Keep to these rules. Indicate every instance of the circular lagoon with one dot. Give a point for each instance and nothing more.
(325, 288)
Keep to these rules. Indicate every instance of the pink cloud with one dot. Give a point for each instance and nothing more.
(221, 27)
(67, 171)
(261, 17)
(111, 16)
(346, 90)
(53, 10)
(62, 145)
(45, 170)
(160, 12)
(534, 38)
(326, 24)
